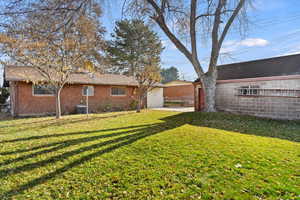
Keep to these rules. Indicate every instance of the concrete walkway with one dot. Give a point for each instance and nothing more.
(176, 109)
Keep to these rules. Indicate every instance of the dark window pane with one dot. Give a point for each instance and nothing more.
(249, 90)
(43, 90)
(118, 91)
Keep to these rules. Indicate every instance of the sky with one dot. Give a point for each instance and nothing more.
(274, 30)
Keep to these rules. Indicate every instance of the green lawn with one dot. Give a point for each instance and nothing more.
(151, 155)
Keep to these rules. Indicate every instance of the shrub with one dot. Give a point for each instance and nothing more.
(4, 94)
(133, 104)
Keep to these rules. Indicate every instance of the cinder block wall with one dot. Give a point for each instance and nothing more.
(271, 107)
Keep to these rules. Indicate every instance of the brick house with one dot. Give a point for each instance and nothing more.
(105, 92)
(265, 88)
(179, 93)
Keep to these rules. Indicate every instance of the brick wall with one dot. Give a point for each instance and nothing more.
(271, 107)
(184, 93)
(71, 95)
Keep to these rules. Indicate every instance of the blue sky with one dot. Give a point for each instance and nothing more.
(274, 31)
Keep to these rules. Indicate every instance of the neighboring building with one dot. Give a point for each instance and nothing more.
(179, 93)
(107, 92)
(265, 88)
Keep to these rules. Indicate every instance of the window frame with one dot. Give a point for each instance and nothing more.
(256, 91)
(251, 91)
(118, 95)
(93, 91)
(40, 95)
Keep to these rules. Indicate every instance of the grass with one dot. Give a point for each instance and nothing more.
(151, 155)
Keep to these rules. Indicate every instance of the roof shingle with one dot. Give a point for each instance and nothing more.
(276, 66)
(17, 73)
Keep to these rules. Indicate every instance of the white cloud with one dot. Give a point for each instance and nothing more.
(252, 42)
(233, 45)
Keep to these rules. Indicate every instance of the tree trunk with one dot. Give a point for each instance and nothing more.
(58, 106)
(209, 82)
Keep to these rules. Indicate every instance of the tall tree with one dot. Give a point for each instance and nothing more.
(169, 74)
(135, 51)
(54, 49)
(195, 20)
(132, 46)
(70, 8)
(13, 10)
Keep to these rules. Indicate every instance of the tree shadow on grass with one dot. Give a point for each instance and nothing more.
(58, 122)
(99, 149)
(288, 130)
(58, 146)
(62, 135)
(246, 125)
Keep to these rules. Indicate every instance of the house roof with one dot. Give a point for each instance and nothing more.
(276, 66)
(19, 73)
(177, 83)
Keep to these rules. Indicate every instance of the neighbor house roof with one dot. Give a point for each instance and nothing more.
(18, 73)
(276, 66)
(178, 82)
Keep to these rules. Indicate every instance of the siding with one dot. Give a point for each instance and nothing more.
(270, 107)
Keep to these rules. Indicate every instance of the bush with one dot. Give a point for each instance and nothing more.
(107, 107)
(133, 105)
(4, 94)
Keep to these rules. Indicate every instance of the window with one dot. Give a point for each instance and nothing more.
(43, 90)
(118, 91)
(280, 93)
(88, 91)
(251, 90)
(265, 92)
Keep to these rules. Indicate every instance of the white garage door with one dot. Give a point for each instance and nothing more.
(155, 98)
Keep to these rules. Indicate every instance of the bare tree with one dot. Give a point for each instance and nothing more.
(69, 11)
(210, 19)
(54, 49)
(69, 8)
(148, 78)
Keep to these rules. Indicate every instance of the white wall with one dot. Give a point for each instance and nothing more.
(155, 98)
(271, 107)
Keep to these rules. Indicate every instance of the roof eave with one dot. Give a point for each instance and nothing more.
(79, 83)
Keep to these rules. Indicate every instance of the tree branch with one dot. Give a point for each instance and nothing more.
(217, 42)
(212, 14)
(159, 18)
(193, 34)
(231, 19)
(215, 37)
